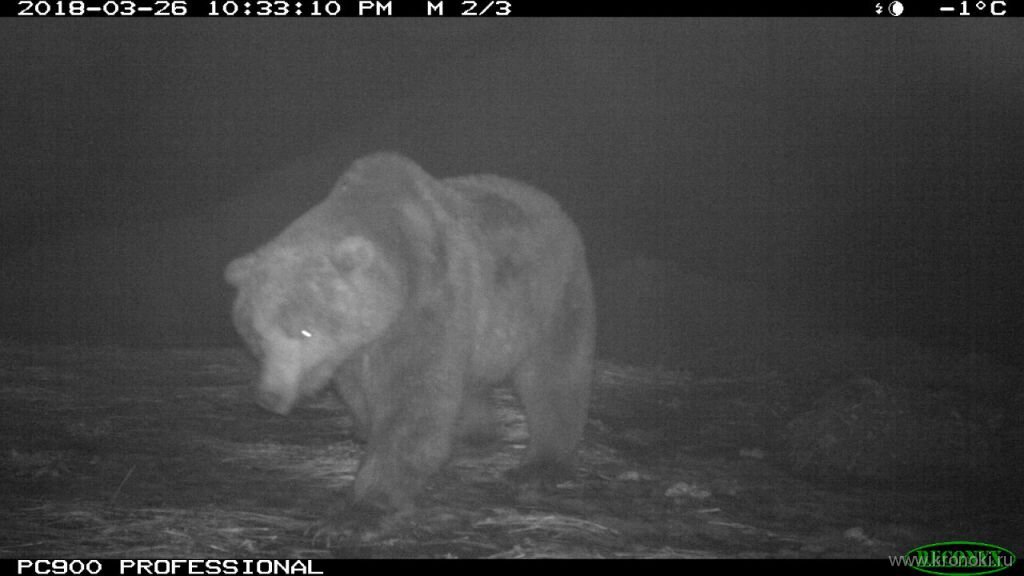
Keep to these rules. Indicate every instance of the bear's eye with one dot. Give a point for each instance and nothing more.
(305, 333)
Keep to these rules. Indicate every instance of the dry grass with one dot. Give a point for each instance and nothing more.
(110, 452)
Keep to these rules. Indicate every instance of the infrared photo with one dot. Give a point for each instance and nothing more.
(510, 288)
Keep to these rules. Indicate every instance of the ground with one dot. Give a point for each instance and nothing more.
(113, 452)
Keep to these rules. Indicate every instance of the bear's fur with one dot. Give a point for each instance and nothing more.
(414, 295)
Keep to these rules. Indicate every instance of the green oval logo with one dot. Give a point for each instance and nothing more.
(960, 558)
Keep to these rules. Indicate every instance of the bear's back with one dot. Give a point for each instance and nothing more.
(517, 222)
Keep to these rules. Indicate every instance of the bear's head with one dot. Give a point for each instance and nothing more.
(306, 304)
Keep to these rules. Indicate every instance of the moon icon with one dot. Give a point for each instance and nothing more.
(896, 8)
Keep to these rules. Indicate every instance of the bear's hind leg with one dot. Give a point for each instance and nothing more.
(554, 382)
(555, 399)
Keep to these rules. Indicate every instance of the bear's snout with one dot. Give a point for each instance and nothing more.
(274, 401)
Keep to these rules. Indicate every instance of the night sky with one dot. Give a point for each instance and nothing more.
(865, 174)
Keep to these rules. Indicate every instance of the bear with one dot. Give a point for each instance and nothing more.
(411, 297)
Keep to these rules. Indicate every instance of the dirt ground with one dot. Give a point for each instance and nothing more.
(114, 452)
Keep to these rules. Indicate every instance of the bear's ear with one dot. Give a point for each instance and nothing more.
(239, 269)
(353, 253)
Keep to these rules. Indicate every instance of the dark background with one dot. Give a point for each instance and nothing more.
(859, 176)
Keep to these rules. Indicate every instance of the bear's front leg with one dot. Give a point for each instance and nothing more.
(413, 429)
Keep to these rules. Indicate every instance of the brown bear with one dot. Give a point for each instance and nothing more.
(414, 296)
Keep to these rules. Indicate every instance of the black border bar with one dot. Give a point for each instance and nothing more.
(879, 9)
